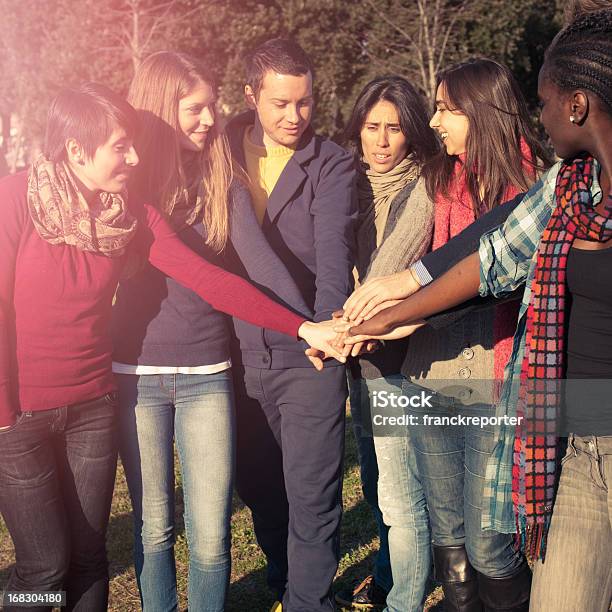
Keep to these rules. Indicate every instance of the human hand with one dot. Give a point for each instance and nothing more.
(317, 357)
(320, 336)
(361, 348)
(379, 330)
(362, 303)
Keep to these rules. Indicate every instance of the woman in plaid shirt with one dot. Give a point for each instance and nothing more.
(554, 244)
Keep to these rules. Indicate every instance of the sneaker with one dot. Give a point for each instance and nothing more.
(277, 607)
(365, 596)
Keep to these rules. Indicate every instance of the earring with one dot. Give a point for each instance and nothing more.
(572, 119)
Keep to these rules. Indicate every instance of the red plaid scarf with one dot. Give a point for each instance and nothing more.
(534, 475)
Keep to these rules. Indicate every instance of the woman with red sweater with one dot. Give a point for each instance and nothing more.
(490, 155)
(65, 235)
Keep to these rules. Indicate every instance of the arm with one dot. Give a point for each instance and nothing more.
(460, 283)
(262, 264)
(223, 290)
(12, 221)
(334, 211)
(428, 268)
(500, 267)
(438, 262)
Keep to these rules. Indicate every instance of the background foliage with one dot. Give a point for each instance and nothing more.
(50, 44)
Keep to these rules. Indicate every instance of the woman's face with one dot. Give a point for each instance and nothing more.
(383, 143)
(196, 116)
(111, 165)
(449, 123)
(555, 111)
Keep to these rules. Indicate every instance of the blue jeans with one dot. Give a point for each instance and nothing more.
(57, 473)
(451, 461)
(400, 495)
(198, 412)
(577, 571)
(360, 409)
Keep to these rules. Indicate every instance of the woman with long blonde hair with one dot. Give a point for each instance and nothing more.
(171, 357)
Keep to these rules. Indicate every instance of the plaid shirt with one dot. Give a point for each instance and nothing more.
(508, 257)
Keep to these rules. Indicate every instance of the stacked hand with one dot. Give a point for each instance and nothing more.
(356, 328)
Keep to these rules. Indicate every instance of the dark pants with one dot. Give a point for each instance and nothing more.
(289, 473)
(57, 472)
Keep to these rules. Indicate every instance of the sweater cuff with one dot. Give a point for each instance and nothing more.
(420, 273)
(298, 322)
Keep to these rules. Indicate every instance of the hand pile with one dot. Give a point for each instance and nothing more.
(356, 328)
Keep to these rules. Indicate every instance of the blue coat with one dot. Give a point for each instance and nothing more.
(309, 223)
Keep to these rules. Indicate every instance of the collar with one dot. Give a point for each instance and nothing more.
(305, 151)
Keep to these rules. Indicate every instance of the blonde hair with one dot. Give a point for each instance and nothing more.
(160, 82)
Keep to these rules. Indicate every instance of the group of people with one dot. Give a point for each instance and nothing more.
(165, 282)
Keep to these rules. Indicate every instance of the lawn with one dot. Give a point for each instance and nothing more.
(248, 591)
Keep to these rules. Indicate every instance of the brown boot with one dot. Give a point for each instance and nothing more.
(459, 579)
(506, 594)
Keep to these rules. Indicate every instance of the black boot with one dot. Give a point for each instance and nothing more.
(458, 578)
(506, 594)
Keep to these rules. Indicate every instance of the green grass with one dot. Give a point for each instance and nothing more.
(248, 592)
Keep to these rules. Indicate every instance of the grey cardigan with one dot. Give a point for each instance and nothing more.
(461, 352)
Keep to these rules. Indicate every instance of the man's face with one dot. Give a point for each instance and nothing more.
(283, 107)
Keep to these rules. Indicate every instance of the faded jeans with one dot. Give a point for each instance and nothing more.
(368, 466)
(401, 500)
(451, 461)
(577, 571)
(196, 411)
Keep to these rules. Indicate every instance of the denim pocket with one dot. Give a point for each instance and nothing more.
(15, 425)
(570, 453)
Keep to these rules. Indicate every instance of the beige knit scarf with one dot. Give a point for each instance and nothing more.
(376, 191)
(61, 215)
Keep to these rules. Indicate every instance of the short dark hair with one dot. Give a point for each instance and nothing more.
(89, 114)
(414, 122)
(580, 56)
(279, 55)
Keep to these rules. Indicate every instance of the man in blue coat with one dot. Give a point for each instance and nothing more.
(291, 417)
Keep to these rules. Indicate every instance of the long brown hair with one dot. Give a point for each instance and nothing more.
(160, 82)
(498, 130)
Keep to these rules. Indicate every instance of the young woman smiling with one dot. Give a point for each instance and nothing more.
(391, 140)
(556, 243)
(171, 354)
(66, 233)
(490, 154)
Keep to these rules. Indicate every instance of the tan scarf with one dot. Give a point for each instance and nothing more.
(376, 192)
(61, 215)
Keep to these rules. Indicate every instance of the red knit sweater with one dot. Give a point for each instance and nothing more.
(55, 305)
(453, 213)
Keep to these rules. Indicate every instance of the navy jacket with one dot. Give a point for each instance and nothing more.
(309, 223)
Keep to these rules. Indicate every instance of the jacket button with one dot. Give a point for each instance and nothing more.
(465, 372)
(468, 353)
(265, 359)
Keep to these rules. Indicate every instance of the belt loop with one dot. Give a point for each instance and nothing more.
(571, 444)
(595, 447)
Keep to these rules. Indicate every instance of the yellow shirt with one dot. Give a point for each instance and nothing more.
(264, 165)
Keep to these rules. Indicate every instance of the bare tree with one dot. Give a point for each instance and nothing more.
(417, 37)
(139, 26)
